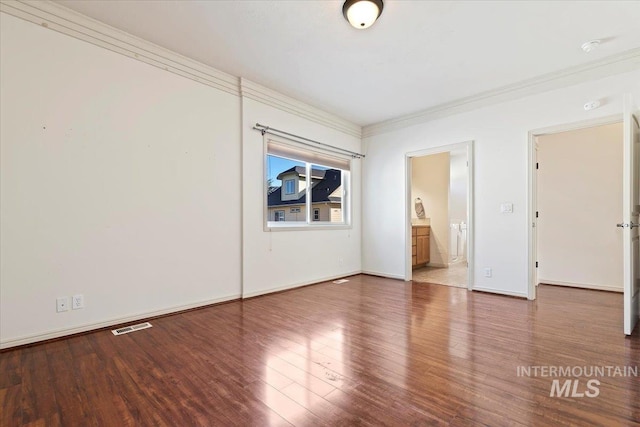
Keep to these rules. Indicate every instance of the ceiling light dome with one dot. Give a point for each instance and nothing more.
(362, 13)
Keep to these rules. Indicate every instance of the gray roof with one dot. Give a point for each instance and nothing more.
(320, 192)
(301, 170)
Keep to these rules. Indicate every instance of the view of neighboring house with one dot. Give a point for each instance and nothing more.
(288, 201)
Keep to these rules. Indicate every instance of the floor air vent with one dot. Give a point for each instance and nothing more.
(132, 328)
(340, 282)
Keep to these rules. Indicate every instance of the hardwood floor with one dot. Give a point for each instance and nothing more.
(371, 351)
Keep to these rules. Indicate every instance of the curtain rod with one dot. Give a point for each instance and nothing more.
(275, 132)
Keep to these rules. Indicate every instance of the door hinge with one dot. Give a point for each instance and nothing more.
(536, 214)
(536, 264)
(537, 165)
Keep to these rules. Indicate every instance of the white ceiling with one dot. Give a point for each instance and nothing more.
(418, 55)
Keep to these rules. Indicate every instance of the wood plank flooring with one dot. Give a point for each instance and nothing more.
(371, 351)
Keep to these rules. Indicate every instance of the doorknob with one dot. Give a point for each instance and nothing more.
(623, 225)
(633, 224)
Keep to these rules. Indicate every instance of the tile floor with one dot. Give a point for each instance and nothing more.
(455, 275)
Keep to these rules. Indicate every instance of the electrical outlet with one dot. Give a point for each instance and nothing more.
(487, 272)
(62, 304)
(77, 301)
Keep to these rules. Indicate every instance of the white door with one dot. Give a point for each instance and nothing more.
(631, 210)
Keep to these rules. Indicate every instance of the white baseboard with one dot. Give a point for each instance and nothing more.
(30, 339)
(297, 285)
(500, 292)
(582, 285)
(387, 275)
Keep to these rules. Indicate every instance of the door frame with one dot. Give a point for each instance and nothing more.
(532, 201)
(630, 212)
(469, 146)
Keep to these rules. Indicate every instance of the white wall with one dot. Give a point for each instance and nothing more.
(430, 182)
(458, 193)
(458, 184)
(580, 201)
(500, 175)
(279, 260)
(142, 190)
(119, 181)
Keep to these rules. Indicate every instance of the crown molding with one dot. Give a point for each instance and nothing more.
(611, 65)
(251, 90)
(66, 21)
(61, 19)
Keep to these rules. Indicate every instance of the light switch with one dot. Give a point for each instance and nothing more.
(506, 208)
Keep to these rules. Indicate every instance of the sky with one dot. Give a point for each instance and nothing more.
(275, 165)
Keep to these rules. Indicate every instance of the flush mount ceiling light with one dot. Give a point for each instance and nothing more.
(362, 13)
(590, 45)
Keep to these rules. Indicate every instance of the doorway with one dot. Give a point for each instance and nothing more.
(579, 178)
(575, 195)
(439, 214)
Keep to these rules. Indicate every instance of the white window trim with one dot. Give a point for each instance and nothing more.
(310, 224)
(275, 215)
(293, 182)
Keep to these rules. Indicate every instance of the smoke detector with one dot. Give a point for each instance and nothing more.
(591, 105)
(590, 45)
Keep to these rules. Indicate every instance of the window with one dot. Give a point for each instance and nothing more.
(290, 186)
(311, 185)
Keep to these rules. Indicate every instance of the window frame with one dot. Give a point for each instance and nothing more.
(293, 186)
(277, 213)
(310, 223)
